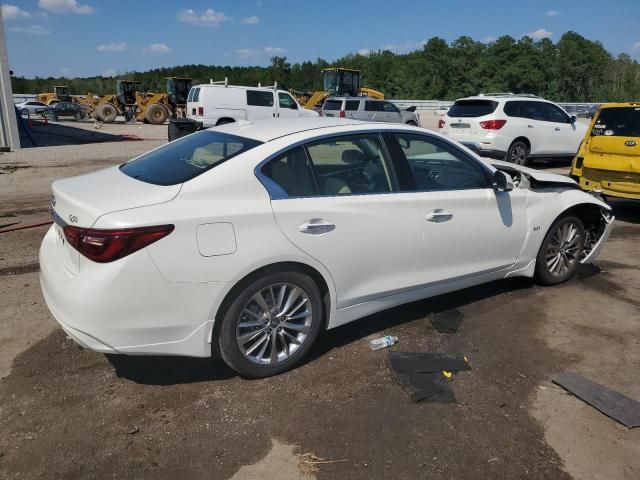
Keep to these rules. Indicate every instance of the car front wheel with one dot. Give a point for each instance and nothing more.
(271, 324)
(561, 250)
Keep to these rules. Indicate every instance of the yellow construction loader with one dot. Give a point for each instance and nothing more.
(60, 94)
(338, 82)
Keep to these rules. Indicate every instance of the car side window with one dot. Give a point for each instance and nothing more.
(554, 114)
(389, 107)
(351, 165)
(352, 105)
(286, 101)
(372, 106)
(292, 172)
(512, 109)
(438, 166)
(196, 95)
(260, 98)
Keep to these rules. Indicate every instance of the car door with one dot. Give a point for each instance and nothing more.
(467, 227)
(391, 113)
(564, 135)
(339, 204)
(287, 106)
(260, 104)
(373, 111)
(352, 110)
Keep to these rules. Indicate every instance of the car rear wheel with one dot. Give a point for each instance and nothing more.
(561, 250)
(270, 324)
(24, 111)
(518, 153)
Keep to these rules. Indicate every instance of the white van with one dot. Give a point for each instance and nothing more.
(217, 103)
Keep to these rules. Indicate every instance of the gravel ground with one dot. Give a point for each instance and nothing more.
(70, 413)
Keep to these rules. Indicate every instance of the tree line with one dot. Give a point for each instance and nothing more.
(574, 69)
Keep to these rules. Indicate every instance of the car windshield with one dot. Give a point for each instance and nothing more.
(618, 122)
(472, 108)
(186, 158)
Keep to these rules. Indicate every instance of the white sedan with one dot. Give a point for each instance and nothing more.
(31, 107)
(249, 239)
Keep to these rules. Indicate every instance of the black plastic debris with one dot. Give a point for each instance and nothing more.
(448, 321)
(422, 374)
(619, 407)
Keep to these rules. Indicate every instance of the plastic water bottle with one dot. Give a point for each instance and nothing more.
(383, 342)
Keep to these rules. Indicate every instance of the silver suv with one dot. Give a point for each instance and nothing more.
(368, 110)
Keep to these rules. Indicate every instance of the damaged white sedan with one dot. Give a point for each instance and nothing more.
(249, 239)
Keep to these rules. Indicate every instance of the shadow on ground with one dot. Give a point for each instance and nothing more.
(161, 370)
(56, 134)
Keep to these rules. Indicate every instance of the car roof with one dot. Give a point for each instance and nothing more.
(241, 87)
(620, 104)
(497, 98)
(270, 129)
(358, 98)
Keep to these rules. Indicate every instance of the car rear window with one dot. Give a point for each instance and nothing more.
(186, 158)
(472, 108)
(618, 122)
(194, 94)
(332, 105)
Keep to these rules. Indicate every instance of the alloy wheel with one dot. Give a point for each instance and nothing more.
(274, 324)
(563, 249)
(518, 155)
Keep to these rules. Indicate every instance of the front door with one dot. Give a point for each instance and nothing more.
(468, 228)
(287, 106)
(342, 208)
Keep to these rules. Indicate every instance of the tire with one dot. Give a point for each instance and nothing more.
(107, 113)
(80, 115)
(518, 153)
(156, 114)
(247, 349)
(24, 111)
(560, 252)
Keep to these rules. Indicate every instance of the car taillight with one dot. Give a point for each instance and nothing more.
(104, 246)
(441, 123)
(493, 124)
(342, 114)
(579, 162)
(201, 111)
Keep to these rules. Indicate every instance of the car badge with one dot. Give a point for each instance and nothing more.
(630, 143)
(73, 219)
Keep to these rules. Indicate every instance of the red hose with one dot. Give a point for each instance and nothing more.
(24, 227)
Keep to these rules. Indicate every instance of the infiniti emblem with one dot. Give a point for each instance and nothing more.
(73, 219)
(630, 143)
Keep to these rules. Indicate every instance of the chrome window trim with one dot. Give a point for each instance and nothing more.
(276, 192)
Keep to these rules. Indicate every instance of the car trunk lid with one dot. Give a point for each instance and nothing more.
(464, 117)
(80, 201)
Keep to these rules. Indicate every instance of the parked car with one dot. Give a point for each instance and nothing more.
(517, 128)
(367, 109)
(31, 107)
(249, 239)
(65, 109)
(219, 103)
(609, 156)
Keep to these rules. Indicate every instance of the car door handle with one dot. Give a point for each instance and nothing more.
(316, 226)
(529, 126)
(557, 129)
(439, 216)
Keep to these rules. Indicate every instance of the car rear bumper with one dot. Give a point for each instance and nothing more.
(127, 307)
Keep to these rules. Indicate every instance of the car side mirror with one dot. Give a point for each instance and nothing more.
(572, 119)
(502, 182)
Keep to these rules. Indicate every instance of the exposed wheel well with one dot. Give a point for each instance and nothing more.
(223, 120)
(587, 212)
(276, 267)
(522, 139)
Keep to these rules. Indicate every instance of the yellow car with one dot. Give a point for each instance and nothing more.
(609, 156)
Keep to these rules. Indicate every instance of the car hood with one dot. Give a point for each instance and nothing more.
(538, 175)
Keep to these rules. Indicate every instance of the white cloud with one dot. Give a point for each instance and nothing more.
(65, 6)
(539, 34)
(208, 18)
(406, 47)
(250, 20)
(489, 39)
(365, 52)
(256, 52)
(31, 30)
(12, 12)
(636, 46)
(112, 47)
(553, 13)
(156, 48)
(109, 73)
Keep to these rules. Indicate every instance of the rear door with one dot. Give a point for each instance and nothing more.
(340, 204)
(467, 227)
(260, 104)
(352, 110)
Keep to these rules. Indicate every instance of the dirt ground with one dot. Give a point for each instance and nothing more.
(69, 413)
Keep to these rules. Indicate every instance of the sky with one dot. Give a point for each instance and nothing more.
(77, 38)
